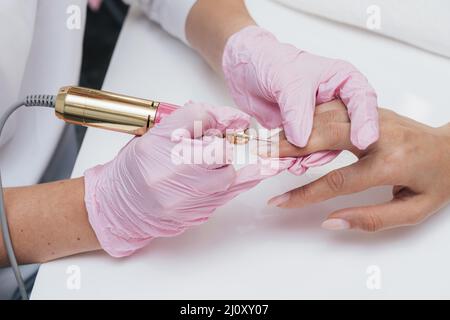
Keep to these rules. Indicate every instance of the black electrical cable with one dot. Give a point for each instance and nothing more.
(30, 101)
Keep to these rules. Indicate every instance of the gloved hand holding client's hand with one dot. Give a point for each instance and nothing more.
(144, 193)
(281, 85)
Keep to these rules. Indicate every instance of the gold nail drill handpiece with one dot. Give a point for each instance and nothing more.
(106, 110)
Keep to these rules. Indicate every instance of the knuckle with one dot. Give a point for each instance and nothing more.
(329, 116)
(396, 157)
(338, 134)
(372, 222)
(335, 180)
(388, 160)
(328, 135)
(332, 128)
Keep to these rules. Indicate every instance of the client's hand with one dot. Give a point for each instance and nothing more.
(410, 156)
(168, 180)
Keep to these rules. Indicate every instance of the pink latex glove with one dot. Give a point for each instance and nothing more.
(280, 85)
(144, 193)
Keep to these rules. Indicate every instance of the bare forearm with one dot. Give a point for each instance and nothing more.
(48, 221)
(211, 22)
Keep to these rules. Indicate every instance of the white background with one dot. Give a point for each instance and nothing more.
(248, 250)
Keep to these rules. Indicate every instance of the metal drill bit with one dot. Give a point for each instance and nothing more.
(242, 137)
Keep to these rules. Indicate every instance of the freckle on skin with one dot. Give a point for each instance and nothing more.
(78, 238)
(21, 230)
(48, 243)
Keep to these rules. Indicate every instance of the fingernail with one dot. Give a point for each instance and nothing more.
(335, 224)
(278, 200)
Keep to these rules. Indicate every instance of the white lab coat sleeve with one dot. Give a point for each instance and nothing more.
(16, 34)
(50, 59)
(170, 14)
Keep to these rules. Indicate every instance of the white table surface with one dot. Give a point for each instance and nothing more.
(248, 250)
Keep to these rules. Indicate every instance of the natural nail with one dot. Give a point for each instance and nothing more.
(336, 224)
